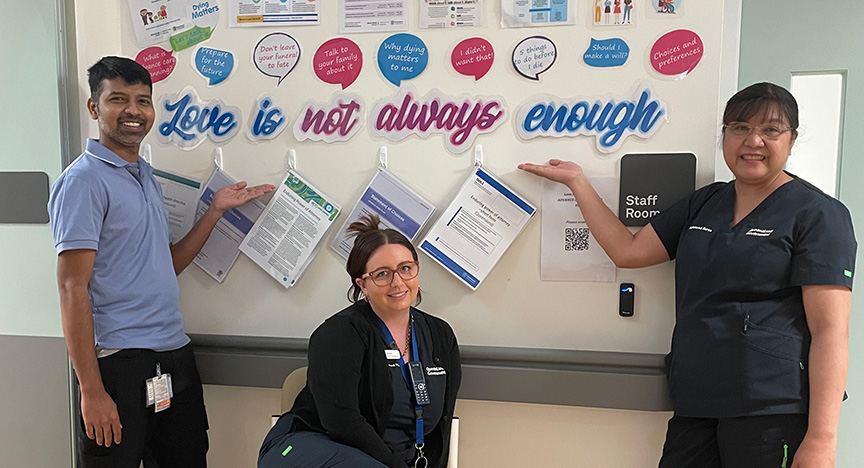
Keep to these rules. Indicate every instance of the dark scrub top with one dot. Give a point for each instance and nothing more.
(400, 432)
(741, 342)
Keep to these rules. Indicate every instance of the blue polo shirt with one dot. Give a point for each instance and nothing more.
(98, 203)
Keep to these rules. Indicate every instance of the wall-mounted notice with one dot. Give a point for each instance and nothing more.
(337, 121)
(269, 120)
(614, 12)
(476, 229)
(357, 16)
(397, 205)
(286, 237)
(473, 57)
(606, 53)
(338, 61)
(179, 195)
(527, 13)
(222, 247)
(459, 119)
(608, 120)
(186, 120)
(276, 54)
(250, 13)
(568, 250)
(158, 61)
(650, 183)
(442, 14)
(204, 15)
(214, 64)
(677, 53)
(402, 57)
(154, 21)
(533, 56)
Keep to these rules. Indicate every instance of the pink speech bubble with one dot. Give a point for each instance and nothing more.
(338, 61)
(473, 57)
(158, 61)
(677, 52)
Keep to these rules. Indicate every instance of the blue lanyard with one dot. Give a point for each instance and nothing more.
(418, 410)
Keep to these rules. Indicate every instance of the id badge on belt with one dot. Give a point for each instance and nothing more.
(159, 390)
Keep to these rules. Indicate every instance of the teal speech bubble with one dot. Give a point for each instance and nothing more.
(214, 64)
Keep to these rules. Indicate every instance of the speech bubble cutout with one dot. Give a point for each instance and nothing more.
(204, 16)
(533, 56)
(473, 57)
(606, 53)
(276, 54)
(677, 52)
(338, 61)
(158, 61)
(214, 64)
(402, 57)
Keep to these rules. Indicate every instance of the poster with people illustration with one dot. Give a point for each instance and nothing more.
(156, 20)
(614, 12)
(667, 7)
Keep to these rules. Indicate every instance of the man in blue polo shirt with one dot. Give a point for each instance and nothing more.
(116, 274)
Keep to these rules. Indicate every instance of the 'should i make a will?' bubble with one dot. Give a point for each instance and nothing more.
(533, 56)
(606, 53)
(276, 54)
(677, 52)
(158, 61)
(473, 57)
(402, 57)
(214, 64)
(338, 61)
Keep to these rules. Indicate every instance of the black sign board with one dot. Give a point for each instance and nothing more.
(652, 182)
(24, 197)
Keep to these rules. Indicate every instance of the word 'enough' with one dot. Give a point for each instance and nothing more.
(610, 121)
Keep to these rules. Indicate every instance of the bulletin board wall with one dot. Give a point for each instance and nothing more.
(512, 307)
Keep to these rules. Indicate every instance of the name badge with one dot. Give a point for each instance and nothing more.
(159, 390)
(392, 354)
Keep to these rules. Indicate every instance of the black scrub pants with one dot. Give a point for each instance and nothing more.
(174, 438)
(285, 447)
(745, 442)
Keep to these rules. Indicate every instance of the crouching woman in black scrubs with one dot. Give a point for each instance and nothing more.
(763, 286)
(360, 408)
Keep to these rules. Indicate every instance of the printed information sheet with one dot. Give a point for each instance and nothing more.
(155, 21)
(288, 233)
(568, 250)
(222, 248)
(398, 206)
(250, 13)
(179, 194)
(357, 16)
(528, 13)
(440, 14)
(477, 228)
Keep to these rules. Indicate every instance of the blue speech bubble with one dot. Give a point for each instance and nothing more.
(606, 53)
(402, 57)
(214, 64)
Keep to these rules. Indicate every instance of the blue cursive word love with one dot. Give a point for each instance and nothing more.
(188, 120)
(610, 121)
(269, 121)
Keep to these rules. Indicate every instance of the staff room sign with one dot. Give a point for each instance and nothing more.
(652, 182)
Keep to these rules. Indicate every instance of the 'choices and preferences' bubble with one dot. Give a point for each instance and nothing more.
(402, 57)
(533, 56)
(677, 52)
(606, 53)
(158, 61)
(338, 61)
(214, 64)
(276, 54)
(473, 57)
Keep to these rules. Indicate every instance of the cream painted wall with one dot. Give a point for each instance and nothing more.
(492, 434)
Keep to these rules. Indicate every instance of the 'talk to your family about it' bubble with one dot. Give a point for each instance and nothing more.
(276, 54)
(338, 61)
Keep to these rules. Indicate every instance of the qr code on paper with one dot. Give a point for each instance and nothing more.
(575, 239)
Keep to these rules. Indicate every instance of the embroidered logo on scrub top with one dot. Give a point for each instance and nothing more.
(759, 232)
(435, 371)
(700, 228)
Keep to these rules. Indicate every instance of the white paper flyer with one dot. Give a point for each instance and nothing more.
(179, 194)
(286, 237)
(251, 13)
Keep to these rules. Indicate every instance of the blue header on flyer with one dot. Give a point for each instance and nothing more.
(505, 191)
(233, 216)
(394, 216)
(449, 264)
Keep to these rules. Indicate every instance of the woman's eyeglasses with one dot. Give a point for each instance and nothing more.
(384, 276)
(743, 129)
